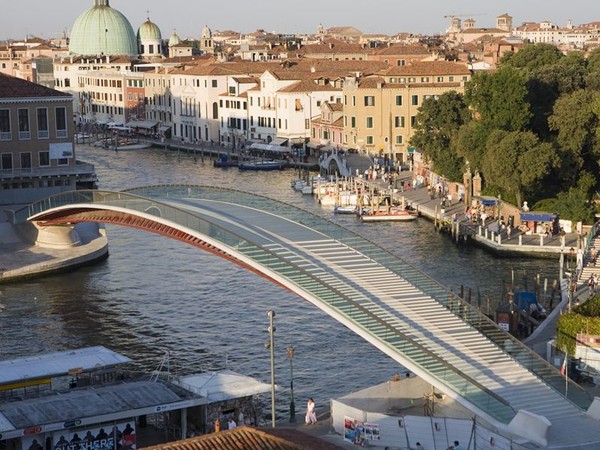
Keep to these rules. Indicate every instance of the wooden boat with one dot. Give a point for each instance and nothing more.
(271, 164)
(389, 214)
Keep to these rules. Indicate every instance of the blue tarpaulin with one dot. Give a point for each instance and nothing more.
(537, 217)
(524, 299)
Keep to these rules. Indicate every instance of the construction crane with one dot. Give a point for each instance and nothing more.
(452, 16)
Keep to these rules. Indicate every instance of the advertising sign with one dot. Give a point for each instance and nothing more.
(120, 437)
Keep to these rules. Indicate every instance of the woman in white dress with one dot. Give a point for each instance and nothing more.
(311, 415)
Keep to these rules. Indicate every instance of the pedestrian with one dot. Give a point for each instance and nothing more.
(456, 446)
(231, 425)
(311, 415)
(419, 446)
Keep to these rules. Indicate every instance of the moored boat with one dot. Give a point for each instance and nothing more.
(349, 209)
(271, 164)
(389, 214)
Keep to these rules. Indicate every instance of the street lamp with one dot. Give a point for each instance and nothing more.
(290, 354)
(271, 345)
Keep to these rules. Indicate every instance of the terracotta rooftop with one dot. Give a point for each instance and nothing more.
(11, 87)
(429, 68)
(249, 438)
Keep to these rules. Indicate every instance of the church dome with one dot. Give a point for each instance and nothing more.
(102, 30)
(174, 40)
(149, 31)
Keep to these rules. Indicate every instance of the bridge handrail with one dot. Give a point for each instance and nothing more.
(429, 286)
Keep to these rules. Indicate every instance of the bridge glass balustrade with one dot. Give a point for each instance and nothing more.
(460, 383)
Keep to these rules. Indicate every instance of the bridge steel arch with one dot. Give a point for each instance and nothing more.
(389, 303)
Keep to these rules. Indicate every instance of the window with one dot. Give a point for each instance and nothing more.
(369, 122)
(306, 124)
(6, 161)
(23, 115)
(231, 90)
(424, 79)
(214, 83)
(398, 100)
(26, 160)
(414, 100)
(370, 140)
(61, 122)
(451, 79)
(440, 79)
(353, 100)
(400, 62)
(44, 158)
(399, 121)
(413, 121)
(42, 123)
(369, 100)
(399, 140)
(215, 110)
(5, 134)
(298, 105)
(353, 122)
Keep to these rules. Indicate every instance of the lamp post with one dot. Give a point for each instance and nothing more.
(290, 354)
(271, 345)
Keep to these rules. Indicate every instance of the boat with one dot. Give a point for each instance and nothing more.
(224, 161)
(349, 209)
(389, 214)
(133, 146)
(270, 164)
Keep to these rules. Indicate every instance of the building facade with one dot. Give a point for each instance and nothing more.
(37, 152)
(380, 111)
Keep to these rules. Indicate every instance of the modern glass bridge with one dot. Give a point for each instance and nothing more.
(388, 302)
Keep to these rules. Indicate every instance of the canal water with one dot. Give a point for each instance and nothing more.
(154, 295)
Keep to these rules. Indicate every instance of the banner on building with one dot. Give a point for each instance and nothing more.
(61, 151)
(359, 432)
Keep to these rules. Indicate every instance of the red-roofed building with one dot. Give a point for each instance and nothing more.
(37, 152)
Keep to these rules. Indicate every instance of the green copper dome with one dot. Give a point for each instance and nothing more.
(149, 31)
(174, 40)
(102, 30)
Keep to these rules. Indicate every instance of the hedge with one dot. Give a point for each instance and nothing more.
(584, 318)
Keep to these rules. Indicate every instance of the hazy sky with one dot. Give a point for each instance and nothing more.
(49, 18)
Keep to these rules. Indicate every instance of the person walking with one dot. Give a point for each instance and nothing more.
(311, 415)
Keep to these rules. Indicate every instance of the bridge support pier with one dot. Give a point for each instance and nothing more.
(57, 236)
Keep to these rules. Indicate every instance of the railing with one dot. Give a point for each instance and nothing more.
(78, 169)
(377, 325)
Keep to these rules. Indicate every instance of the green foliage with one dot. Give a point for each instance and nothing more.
(469, 143)
(533, 56)
(585, 319)
(438, 122)
(500, 98)
(517, 161)
(573, 204)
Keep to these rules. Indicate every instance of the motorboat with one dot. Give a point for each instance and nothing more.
(389, 214)
(271, 164)
(349, 209)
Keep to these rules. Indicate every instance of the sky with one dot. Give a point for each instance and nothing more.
(50, 18)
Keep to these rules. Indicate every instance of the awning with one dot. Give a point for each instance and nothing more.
(279, 141)
(142, 124)
(270, 148)
(163, 128)
(537, 217)
(486, 200)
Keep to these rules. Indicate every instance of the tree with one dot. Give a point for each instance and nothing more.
(533, 56)
(438, 122)
(469, 143)
(500, 99)
(517, 161)
(575, 120)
